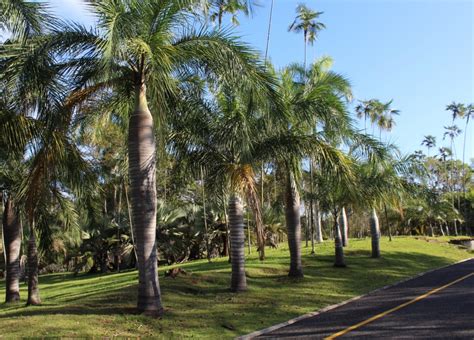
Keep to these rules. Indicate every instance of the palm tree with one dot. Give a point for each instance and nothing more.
(319, 98)
(430, 142)
(262, 172)
(16, 131)
(382, 183)
(226, 140)
(385, 120)
(378, 113)
(216, 9)
(335, 193)
(306, 22)
(463, 112)
(452, 132)
(140, 63)
(467, 115)
(364, 109)
(21, 19)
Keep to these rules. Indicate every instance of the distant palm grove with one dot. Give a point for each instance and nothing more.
(158, 137)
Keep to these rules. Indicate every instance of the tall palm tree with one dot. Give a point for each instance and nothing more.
(306, 22)
(319, 98)
(382, 183)
(462, 111)
(262, 172)
(452, 132)
(225, 138)
(385, 120)
(21, 20)
(16, 131)
(364, 110)
(430, 142)
(335, 193)
(139, 56)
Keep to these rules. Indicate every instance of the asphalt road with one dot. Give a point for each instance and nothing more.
(446, 313)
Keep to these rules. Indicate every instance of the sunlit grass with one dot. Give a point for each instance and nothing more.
(200, 305)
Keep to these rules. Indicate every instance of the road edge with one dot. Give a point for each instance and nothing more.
(331, 307)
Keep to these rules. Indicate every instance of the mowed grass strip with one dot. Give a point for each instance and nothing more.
(199, 304)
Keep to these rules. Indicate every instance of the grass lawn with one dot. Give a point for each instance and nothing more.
(200, 305)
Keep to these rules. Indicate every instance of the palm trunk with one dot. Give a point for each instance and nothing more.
(293, 225)
(338, 246)
(311, 204)
(33, 286)
(464, 169)
(254, 205)
(388, 223)
(441, 228)
(344, 227)
(319, 231)
(227, 231)
(311, 227)
(306, 225)
(12, 246)
(141, 148)
(249, 241)
(269, 30)
(226, 240)
(238, 281)
(304, 61)
(208, 249)
(375, 234)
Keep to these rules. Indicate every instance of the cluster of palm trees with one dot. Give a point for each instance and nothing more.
(153, 122)
(448, 180)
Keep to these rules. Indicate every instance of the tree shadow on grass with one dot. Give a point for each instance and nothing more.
(268, 289)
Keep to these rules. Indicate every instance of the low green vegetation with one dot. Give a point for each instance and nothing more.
(198, 302)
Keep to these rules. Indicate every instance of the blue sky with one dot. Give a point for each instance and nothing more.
(417, 52)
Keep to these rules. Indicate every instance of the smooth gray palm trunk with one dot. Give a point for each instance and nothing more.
(317, 223)
(338, 247)
(293, 225)
(375, 234)
(238, 281)
(33, 282)
(12, 243)
(344, 227)
(141, 149)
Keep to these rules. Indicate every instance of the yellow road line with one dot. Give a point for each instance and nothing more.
(381, 315)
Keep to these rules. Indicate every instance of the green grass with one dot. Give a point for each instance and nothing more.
(200, 305)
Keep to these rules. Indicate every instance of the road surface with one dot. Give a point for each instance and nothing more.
(437, 305)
